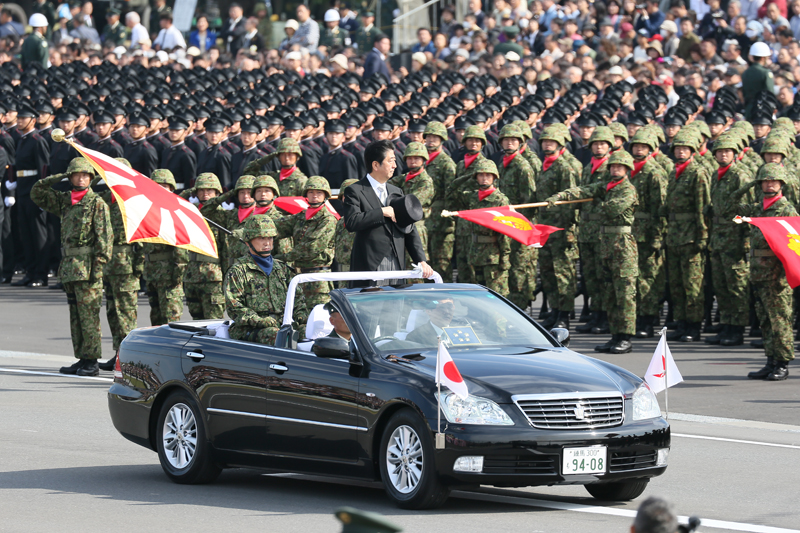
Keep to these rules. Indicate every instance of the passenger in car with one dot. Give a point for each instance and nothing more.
(440, 315)
(340, 329)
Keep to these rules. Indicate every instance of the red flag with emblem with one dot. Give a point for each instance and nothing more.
(297, 204)
(504, 220)
(150, 213)
(783, 237)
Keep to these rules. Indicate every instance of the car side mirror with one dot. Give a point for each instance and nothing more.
(331, 348)
(561, 335)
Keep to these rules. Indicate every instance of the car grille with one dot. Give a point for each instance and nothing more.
(577, 411)
(622, 461)
(520, 464)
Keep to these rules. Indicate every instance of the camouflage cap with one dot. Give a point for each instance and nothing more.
(621, 157)
(746, 127)
(164, 177)
(771, 171)
(525, 128)
(436, 128)
(80, 164)
(511, 131)
(267, 181)
(244, 182)
(258, 226)
(123, 161)
(646, 137)
(208, 180)
(686, 138)
(317, 183)
(486, 166)
(775, 144)
(289, 146)
(602, 134)
(416, 149)
(727, 142)
(619, 129)
(474, 132)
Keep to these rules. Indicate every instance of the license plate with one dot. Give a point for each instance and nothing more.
(584, 460)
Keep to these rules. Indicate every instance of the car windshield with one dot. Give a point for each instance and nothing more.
(464, 319)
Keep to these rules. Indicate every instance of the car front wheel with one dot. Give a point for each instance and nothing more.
(407, 463)
(182, 445)
(618, 492)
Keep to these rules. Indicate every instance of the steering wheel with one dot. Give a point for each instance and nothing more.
(384, 338)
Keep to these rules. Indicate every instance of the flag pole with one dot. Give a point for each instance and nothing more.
(446, 213)
(439, 434)
(666, 380)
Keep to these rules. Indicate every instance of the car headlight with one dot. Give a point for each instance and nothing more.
(645, 403)
(473, 410)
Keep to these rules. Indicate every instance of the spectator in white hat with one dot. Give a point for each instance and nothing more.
(289, 28)
(669, 33)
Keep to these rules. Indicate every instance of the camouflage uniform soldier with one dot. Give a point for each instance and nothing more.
(662, 159)
(442, 170)
(687, 235)
(203, 279)
(86, 238)
(488, 253)
(230, 210)
(312, 231)
(649, 230)
(264, 192)
(618, 251)
(704, 155)
(557, 258)
(290, 179)
(343, 239)
(772, 292)
(777, 149)
(529, 155)
(620, 135)
(519, 186)
(747, 154)
(417, 182)
(729, 244)
(255, 287)
(164, 267)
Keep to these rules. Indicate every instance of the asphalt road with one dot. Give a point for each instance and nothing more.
(735, 458)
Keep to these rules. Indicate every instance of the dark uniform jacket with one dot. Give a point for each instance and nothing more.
(33, 155)
(338, 166)
(142, 156)
(217, 160)
(181, 161)
(122, 137)
(241, 159)
(309, 163)
(86, 137)
(107, 146)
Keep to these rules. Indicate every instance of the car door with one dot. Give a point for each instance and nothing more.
(230, 378)
(312, 411)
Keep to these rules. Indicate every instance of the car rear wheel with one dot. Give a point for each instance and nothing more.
(182, 446)
(407, 463)
(618, 492)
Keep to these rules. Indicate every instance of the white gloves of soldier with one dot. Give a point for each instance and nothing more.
(9, 201)
(194, 200)
(228, 206)
(11, 185)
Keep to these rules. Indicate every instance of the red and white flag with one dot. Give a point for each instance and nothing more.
(662, 372)
(297, 204)
(783, 237)
(151, 213)
(447, 373)
(504, 220)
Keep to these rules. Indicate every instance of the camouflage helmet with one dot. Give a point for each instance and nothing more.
(511, 131)
(244, 182)
(258, 226)
(345, 184)
(729, 142)
(739, 136)
(317, 183)
(474, 132)
(619, 129)
(123, 161)
(602, 134)
(486, 166)
(416, 149)
(265, 181)
(686, 138)
(436, 128)
(289, 146)
(552, 132)
(784, 124)
(771, 171)
(525, 128)
(621, 157)
(208, 180)
(700, 127)
(659, 133)
(774, 144)
(81, 164)
(645, 137)
(163, 176)
(746, 127)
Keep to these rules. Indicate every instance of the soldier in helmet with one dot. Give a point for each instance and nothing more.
(86, 238)
(291, 179)
(442, 170)
(773, 296)
(264, 192)
(255, 286)
(230, 210)
(618, 250)
(417, 182)
(343, 239)
(661, 158)
(557, 259)
(777, 149)
(620, 136)
(312, 233)
(649, 229)
(203, 279)
(164, 267)
(687, 235)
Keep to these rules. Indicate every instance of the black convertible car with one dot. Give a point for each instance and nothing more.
(537, 412)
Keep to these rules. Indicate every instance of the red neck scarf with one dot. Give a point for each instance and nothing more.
(705, 149)
(722, 170)
(245, 212)
(769, 201)
(611, 184)
(744, 151)
(77, 196)
(596, 163)
(638, 166)
(411, 175)
(434, 155)
(550, 159)
(654, 154)
(507, 159)
(286, 172)
(680, 168)
(469, 159)
(311, 211)
(261, 210)
(483, 194)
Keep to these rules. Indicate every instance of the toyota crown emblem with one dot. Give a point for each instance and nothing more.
(580, 412)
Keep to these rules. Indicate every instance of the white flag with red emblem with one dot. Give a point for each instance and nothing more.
(447, 373)
(662, 372)
(151, 213)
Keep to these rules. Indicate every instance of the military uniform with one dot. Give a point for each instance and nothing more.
(108, 146)
(292, 181)
(365, 38)
(116, 34)
(31, 160)
(419, 184)
(755, 79)
(181, 161)
(216, 160)
(441, 231)
(221, 210)
(343, 239)
(337, 166)
(142, 156)
(242, 158)
(333, 37)
(35, 49)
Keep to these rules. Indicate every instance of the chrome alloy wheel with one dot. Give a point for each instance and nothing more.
(179, 436)
(404, 459)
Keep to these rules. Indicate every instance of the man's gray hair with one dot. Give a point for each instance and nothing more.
(655, 515)
(737, 2)
(133, 16)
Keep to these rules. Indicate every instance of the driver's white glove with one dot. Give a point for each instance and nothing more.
(11, 185)
(194, 200)
(9, 201)
(227, 206)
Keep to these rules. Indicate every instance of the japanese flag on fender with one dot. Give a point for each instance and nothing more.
(297, 204)
(783, 237)
(151, 213)
(662, 372)
(504, 220)
(447, 373)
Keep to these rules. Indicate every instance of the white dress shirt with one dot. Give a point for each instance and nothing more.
(139, 35)
(170, 38)
(379, 188)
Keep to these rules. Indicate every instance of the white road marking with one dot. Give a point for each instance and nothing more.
(735, 422)
(736, 441)
(54, 374)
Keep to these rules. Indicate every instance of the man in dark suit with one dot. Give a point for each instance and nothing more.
(376, 59)
(440, 316)
(379, 244)
(234, 29)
